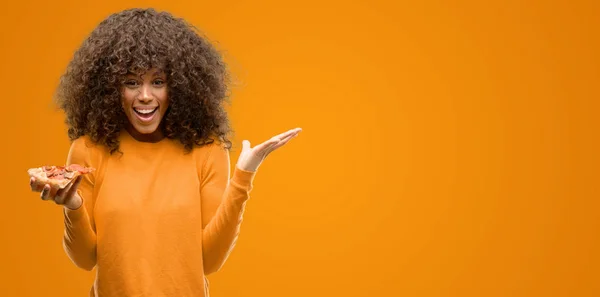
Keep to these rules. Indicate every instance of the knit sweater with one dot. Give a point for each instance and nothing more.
(155, 220)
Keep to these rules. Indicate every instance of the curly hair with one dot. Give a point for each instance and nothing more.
(134, 41)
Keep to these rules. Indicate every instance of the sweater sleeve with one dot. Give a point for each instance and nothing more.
(223, 201)
(79, 240)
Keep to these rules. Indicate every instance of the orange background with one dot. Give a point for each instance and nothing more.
(450, 148)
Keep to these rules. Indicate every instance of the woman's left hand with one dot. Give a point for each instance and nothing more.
(251, 158)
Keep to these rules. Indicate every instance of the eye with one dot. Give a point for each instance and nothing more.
(131, 83)
(159, 82)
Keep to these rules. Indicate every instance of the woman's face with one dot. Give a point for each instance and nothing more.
(145, 102)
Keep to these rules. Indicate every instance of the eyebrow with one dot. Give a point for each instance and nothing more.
(158, 72)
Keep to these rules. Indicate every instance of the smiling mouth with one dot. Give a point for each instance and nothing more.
(145, 113)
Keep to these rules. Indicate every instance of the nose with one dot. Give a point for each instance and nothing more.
(145, 93)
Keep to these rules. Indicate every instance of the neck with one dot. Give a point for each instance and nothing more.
(155, 136)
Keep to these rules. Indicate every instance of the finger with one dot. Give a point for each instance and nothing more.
(265, 151)
(282, 142)
(66, 193)
(45, 192)
(290, 136)
(32, 184)
(53, 191)
(269, 148)
(35, 185)
(60, 194)
(70, 183)
(59, 198)
(73, 188)
(284, 138)
(245, 145)
(288, 132)
(262, 148)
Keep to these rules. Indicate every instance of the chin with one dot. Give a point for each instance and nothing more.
(146, 130)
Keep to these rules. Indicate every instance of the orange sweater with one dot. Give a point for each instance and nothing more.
(155, 221)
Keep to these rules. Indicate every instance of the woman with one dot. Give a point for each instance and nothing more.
(142, 98)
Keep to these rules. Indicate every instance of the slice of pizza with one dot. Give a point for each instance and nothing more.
(58, 176)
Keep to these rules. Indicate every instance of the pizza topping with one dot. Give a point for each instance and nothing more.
(52, 171)
(65, 172)
(81, 169)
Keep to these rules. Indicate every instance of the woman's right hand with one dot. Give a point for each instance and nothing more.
(67, 196)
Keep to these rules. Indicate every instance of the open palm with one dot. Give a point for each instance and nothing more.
(251, 157)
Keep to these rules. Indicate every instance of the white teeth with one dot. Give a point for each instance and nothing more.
(144, 111)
